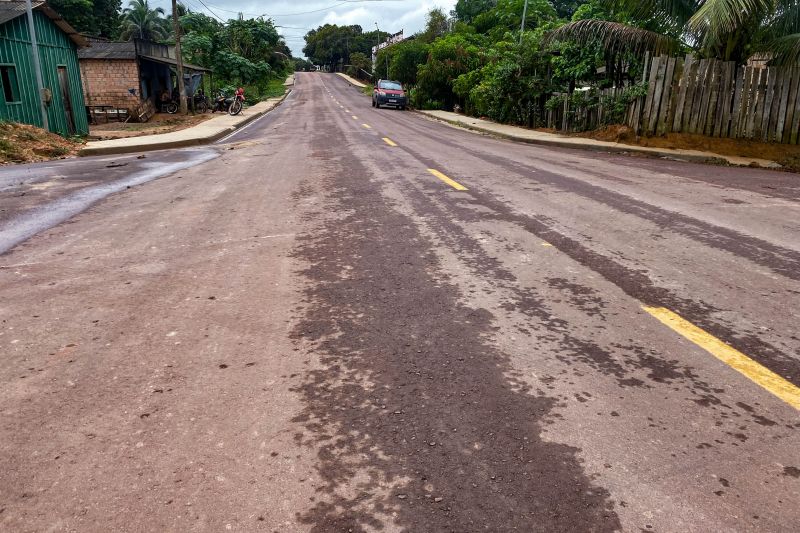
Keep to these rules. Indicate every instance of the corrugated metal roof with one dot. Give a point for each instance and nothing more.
(172, 62)
(108, 50)
(11, 9)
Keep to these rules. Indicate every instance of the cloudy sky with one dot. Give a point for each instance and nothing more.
(296, 18)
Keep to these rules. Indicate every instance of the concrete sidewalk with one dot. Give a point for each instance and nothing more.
(352, 81)
(204, 133)
(517, 133)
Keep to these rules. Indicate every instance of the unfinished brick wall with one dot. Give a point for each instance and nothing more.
(106, 82)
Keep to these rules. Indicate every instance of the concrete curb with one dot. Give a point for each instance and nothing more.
(180, 143)
(612, 148)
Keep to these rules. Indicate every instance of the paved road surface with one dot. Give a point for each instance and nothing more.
(306, 329)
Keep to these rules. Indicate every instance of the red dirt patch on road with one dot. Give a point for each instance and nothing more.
(21, 143)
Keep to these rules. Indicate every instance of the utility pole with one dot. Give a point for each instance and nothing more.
(524, 16)
(178, 57)
(37, 67)
(377, 49)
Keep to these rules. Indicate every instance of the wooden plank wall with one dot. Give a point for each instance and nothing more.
(715, 98)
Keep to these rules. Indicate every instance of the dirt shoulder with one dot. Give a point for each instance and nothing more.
(21, 143)
(788, 155)
(160, 123)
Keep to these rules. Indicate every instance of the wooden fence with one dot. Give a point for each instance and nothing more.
(713, 98)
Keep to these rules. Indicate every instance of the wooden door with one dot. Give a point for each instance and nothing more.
(63, 82)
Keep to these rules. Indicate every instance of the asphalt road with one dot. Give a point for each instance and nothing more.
(349, 319)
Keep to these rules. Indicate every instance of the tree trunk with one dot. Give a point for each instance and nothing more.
(178, 57)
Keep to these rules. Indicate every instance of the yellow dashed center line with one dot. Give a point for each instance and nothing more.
(355, 117)
(547, 244)
(732, 357)
(454, 184)
(367, 126)
(388, 141)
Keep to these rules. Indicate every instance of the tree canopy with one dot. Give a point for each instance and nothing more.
(99, 18)
(732, 30)
(332, 45)
(140, 21)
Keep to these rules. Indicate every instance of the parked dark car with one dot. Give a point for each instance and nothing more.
(388, 92)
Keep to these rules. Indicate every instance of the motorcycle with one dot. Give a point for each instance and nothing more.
(200, 102)
(232, 105)
(238, 102)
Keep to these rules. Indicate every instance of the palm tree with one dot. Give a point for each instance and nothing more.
(732, 30)
(141, 22)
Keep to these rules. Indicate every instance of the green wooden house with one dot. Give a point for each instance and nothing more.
(58, 44)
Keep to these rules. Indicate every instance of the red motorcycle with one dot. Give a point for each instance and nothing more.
(232, 105)
(238, 102)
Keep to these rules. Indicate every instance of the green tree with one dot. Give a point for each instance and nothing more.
(332, 45)
(449, 57)
(731, 30)
(467, 10)
(93, 17)
(139, 21)
(248, 52)
(107, 18)
(405, 60)
(436, 25)
(303, 65)
(360, 63)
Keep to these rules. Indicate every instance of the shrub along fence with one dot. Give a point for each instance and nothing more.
(590, 109)
(706, 97)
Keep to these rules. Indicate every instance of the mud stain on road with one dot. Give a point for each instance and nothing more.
(418, 425)
(25, 225)
(780, 260)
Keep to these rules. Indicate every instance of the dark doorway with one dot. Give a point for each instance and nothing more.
(63, 82)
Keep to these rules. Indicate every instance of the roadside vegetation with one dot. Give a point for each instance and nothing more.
(477, 59)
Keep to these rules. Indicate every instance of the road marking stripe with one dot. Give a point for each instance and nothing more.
(388, 141)
(454, 184)
(732, 357)
(547, 244)
(367, 126)
(355, 117)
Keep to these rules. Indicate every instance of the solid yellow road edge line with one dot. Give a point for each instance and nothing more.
(367, 126)
(762, 376)
(454, 184)
(388, 141)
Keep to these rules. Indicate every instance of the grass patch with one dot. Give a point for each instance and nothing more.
(273, 89)
(368, 89)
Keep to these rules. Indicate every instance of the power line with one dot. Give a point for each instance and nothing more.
(211, 11)
(340, 3)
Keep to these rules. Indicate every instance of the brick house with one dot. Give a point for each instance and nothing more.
(123, 75)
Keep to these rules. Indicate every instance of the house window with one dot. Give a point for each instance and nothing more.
(8, 79)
